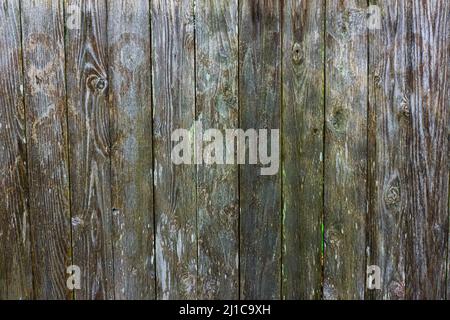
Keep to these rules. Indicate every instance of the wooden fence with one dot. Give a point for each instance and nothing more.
(87, 108)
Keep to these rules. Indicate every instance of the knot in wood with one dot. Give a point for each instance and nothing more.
(101, 84)
(392, 194)
(405, 111)
(297, 53)
(338, 121)
(96, 83)
(404, 108)
(377, 80)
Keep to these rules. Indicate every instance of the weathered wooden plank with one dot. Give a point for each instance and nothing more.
(87, 87)
(446, 92)
(302, 121)
(173, 83)
(345, 150)
(388, 125)
(43, 55)
(426, 103)
(408, 100)
(15, 255)
(131, 138)
(259, 108)
(217, 108)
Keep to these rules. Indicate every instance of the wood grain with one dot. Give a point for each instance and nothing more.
(409, 220)
(446, 93)
(173, 55)
(87, 112)
(303, 115)
(45, 105)
(388, 127)
(217, 108)
(345, 150)
(131, 137)
(90, 163)
(15, 255)
(426, 103)
(259, 108)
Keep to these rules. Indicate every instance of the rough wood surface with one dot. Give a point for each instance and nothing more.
(131, 138)
(45, 105)
(388, 125)
(302, 147)
(426, 103)
(446, 93)
(217, 108)
(345, 150)
(259, 108)
(15, 255)
(89, 133)
(87, 112)
(408, 75)
(173, 56)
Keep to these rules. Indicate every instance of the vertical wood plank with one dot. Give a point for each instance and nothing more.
(345, 150)
(259, 105)
(132, 162)
(388, 126)
(447, 96)
(15, 255)
(217, 108)
(173, 83)
(303, 115)
(409, 89)
(43, 55)
(87, 87)
(427, 105)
